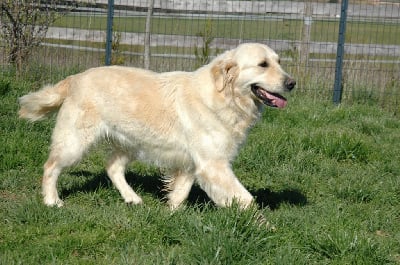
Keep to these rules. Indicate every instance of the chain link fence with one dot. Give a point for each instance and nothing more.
(184, 34)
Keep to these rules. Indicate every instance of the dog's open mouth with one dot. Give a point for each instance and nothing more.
(269, 98)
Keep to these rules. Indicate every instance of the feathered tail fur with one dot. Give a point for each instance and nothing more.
(37, 105)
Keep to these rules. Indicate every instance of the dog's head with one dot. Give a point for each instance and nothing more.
(253, 71)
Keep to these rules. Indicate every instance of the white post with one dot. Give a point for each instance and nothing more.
(148, 34)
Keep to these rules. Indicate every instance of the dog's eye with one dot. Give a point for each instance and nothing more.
(264, 64)
(279, 61)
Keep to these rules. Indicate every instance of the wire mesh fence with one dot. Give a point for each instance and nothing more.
(184, 34)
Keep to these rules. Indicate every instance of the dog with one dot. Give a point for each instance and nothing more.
(191, 124)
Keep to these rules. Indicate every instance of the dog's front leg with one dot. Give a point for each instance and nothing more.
(217, 179)
(116, 172)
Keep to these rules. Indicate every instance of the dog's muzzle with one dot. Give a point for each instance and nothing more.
(273, 99)
(268, 98)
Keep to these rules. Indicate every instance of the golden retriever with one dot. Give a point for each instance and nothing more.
(189, 123)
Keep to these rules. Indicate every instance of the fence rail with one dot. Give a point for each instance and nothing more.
(385, 10)
(304, 33)
(131, 38)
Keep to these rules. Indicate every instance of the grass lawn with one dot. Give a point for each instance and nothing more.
(327, 179)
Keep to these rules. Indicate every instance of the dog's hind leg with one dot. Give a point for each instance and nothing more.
(178, 185)
(52, 170)
(70, 141)
(65, 151)
(116, 172)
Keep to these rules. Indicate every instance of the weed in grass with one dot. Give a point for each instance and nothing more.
(203, 53)
(339, 241)
(4, 86)
(338, 146)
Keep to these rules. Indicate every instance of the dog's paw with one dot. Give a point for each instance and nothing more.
(174, 206)
(133, 200)
(262, 221)
(51, 202)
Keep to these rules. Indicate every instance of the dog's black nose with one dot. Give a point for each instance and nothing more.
(290, 83)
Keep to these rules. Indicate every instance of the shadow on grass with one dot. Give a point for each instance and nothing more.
(273, 199)
(92, 182)
(153, 184)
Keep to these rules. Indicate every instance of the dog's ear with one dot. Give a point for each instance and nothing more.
(224, 73)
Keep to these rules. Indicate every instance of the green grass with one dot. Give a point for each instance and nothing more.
(327, 178)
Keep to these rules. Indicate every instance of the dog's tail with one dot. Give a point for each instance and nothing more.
(38, 105)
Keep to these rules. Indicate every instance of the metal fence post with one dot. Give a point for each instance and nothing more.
(110, 17)
(337, 89)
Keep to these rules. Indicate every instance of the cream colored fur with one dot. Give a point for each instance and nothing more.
(189, 123)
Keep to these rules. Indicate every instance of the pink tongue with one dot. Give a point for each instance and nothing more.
(279, 102)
